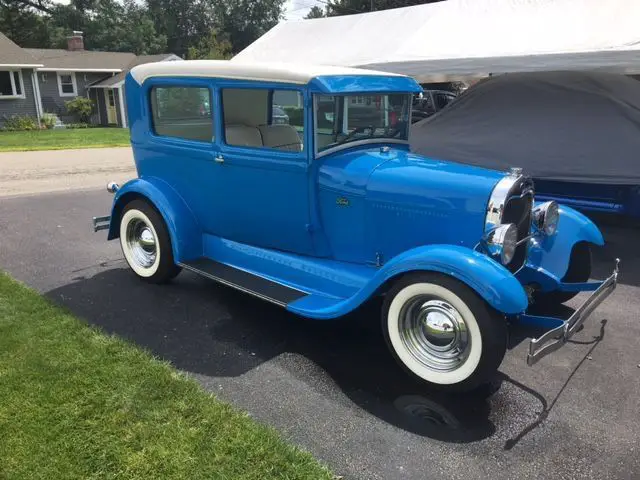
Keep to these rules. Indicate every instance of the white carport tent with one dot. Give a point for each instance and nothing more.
(457, 39)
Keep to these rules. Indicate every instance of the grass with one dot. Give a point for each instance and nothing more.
(63, 138)
(76, 403)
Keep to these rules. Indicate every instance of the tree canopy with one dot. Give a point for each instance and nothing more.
(188, 28)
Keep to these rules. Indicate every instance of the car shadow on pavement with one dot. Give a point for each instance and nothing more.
(208, 329)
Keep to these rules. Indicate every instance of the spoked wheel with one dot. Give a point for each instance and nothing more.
(146, 244)
(442, 332)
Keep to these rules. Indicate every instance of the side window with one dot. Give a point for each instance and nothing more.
(263, 118)
(182, 112)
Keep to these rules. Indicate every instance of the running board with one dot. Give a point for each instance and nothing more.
(247, 282)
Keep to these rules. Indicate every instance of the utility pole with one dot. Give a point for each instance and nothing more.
(371, 3)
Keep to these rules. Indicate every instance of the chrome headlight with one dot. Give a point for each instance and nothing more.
(502, 242)
(546, 217)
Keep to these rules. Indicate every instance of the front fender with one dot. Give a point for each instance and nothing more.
(184, 230)
(487, 278)
(549, 256)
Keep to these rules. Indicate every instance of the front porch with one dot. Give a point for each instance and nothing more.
(110, 105)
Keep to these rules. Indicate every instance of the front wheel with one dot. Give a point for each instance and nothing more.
(442, 332)
(146, 244)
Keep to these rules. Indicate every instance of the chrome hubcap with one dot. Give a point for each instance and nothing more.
(141, 243)
(435, 333)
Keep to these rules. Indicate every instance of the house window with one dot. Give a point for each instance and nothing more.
(11, 84)
(67, 84)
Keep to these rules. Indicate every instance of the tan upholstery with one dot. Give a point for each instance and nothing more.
(242, 135)
(281, 137)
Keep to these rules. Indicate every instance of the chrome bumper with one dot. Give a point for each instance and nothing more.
(101, 223)
(557, 337)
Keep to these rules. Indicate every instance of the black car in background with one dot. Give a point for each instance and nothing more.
(432, 101)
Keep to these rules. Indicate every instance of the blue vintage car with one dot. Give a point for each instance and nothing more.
(329, 210)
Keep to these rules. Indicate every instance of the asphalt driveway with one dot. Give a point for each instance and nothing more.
(331, 386)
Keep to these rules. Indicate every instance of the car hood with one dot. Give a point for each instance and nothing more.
(412, 200)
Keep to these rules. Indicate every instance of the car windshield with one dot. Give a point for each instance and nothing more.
(341, 119)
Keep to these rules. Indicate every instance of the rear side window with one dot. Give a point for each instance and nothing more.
(182, 112)
(264, 118)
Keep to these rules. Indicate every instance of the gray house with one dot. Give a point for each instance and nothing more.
(34, 81)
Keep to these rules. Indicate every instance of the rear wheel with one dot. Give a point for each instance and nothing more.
(146, 244)
(579, 271)
(442, 332)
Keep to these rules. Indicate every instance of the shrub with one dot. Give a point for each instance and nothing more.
(16, 123)
(81, 125)
(81, 107)
(48, 120)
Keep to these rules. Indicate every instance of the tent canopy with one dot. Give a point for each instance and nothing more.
(455, 39)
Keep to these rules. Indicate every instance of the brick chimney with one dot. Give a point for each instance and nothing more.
(75, 42)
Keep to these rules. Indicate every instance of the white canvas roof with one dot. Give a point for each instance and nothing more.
(271, 72)
(460, 38)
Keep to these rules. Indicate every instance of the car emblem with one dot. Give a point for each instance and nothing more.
(342, 202)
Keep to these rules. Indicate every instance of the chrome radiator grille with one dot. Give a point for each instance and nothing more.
(518, 211)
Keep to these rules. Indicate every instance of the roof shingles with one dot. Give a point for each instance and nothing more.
(81, 59)
(12, 54)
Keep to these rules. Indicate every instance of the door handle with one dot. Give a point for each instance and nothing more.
(219, 159)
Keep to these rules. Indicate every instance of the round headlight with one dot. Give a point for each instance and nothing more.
(547, 217)
(503, 241)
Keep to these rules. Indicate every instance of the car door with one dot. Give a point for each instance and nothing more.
(180, 146)
(260, 184)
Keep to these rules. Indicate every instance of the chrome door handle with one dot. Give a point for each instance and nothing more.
(219, 159)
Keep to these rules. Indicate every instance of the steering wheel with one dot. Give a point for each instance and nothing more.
(354, 132)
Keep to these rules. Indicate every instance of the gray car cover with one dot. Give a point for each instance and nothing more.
(566, 126)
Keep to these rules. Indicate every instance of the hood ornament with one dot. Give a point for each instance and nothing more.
(515, 171)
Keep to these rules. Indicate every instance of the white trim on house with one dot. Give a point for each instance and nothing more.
(37, 99)
(73, 82)
(123, 117)
(19, 65)
(90, 70)
(115, 85)
(15, 94)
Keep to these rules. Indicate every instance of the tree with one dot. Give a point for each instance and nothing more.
(213, 47)
(348, 7)
(315, 12)
(183, 22)
(23, 23)
(244, 21)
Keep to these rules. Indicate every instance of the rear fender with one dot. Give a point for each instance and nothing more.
(184, 230)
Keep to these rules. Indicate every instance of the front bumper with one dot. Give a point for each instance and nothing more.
(558, 336)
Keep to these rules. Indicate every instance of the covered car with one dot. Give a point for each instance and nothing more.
(577, 134)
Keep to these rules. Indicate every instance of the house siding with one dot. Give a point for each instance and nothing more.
(20, 106)
(52, 102)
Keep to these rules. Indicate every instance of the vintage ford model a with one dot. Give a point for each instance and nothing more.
(325, 209)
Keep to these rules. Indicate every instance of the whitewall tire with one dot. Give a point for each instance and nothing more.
(442, 332)
(145, 243)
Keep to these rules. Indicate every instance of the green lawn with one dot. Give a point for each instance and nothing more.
(61, 139)
(76, 403)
